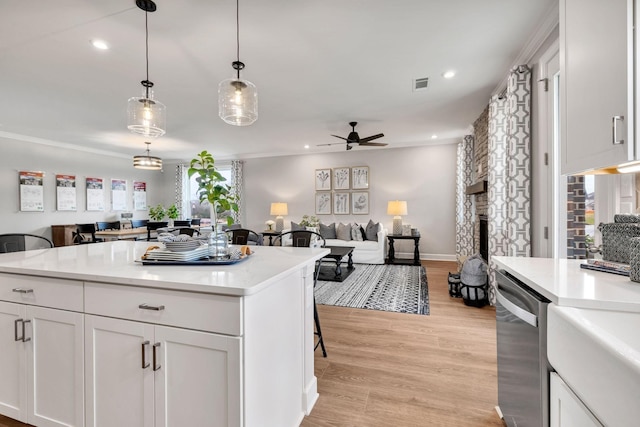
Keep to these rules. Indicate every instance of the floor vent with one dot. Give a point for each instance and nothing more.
(420, 84)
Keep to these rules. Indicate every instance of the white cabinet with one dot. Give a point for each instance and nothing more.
(145, 375)
(41, 365)
(596, 84)
(566, 409)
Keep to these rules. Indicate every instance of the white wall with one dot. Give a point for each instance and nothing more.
(25, 156)
(423, 176)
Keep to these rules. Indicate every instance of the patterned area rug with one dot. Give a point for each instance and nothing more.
(399, 288)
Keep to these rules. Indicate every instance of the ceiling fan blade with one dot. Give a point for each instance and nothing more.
(371, 138)
(374, 144)
(341, 137)
(335, 143)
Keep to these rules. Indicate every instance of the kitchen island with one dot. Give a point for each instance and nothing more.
(89, 336)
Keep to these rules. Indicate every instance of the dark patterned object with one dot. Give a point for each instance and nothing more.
(624, 218)
(634, 259)
(616, 240)
(454, 285)
(398, 288)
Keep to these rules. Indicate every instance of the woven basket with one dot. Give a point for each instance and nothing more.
(616, 244)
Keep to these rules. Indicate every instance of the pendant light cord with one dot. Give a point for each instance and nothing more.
(238, 33)
(146, 47)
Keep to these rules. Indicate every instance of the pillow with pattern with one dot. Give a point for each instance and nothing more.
(355, 233)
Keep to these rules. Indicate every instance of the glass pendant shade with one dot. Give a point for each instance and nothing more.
(146, 116)
(147, 161)
(238, 102)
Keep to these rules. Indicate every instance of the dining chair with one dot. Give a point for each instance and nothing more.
(153, 226)
(195, 221)
(85, 233)
(181, 222)
(109, 225)
(137, 223)
(188, 231)
(244, 236)
(18, 242)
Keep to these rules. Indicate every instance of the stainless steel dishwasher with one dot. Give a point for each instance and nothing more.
(523, 368)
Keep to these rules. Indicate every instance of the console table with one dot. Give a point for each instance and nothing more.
(271, 234)
(392, 252)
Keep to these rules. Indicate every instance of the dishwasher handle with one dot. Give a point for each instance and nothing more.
(520, 313)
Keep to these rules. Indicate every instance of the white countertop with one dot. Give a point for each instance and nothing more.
(115, 262)
(566, 284)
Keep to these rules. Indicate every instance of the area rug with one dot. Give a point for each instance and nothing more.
(398, 288)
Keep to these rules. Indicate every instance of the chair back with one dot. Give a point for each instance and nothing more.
(85, 233)
(188, 231)
(112, 225)
(181, 223)
(299, 238)
(153, 226)
(18, 242)
(243, 236)
(195, 221)
(137, 223)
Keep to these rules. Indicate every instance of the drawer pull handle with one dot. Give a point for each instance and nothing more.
(614, 121)
(156, 366)
(24, 335)
(15, 329)
(151, 307)
(23, 290)
(145, 365)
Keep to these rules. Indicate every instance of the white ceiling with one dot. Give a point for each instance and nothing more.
(317, 65)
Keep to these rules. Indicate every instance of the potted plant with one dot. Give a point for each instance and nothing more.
(212, 189)
(173, 213)
(157, 213)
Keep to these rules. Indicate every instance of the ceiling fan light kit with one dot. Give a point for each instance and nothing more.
(147, 161)
(146, 115)
(354, 138)
(237, 98)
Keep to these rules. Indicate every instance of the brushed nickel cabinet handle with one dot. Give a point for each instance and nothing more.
(146, 306)
(15, 329)
(156, 367)
(614, 121)
(23, 290)
(145, 365)
(24, 334)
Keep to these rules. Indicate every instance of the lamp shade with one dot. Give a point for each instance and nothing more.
(279, 209)
(397, 207)
(238, 102)
(146, 116)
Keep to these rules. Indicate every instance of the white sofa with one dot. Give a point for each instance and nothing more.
(365, 252)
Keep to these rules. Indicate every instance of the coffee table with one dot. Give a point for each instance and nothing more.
(337, 273)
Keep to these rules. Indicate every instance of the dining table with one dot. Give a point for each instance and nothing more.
(123, 233)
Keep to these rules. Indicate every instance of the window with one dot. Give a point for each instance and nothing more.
(201, 210)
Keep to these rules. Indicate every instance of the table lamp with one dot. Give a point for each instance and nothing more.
(279, 209)
(397, 208)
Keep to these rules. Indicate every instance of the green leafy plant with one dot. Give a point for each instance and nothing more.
(157, 213)
(212, 187)
(309, 221)
(173, 212)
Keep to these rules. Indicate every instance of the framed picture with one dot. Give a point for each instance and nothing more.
(360, 203)
(341, 178)
(323, 179)
(323, 203)
(360, 177)
(341, 203)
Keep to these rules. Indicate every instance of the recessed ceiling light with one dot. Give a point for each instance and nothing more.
(306, 146)
(449, 74)
(99, 44)
(434, 136)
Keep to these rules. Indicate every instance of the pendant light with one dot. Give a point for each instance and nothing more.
(145, 115)
(147, 161)
(238, 98)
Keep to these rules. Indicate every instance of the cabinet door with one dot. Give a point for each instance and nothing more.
(119, 391)
(13, 390)
(55, 362)
(198, 380)
(566, 409)
(596, 83)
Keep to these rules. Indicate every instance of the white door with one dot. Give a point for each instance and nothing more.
(118, 373)
(13, 390)
(197, 379)
(55, 362)
(566, 409)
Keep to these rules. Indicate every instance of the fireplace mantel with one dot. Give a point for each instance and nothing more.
(477, 188)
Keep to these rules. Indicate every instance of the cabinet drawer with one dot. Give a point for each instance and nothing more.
(42, 291)
(213, 313)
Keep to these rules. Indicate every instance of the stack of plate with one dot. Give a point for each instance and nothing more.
(167, 255)
(188, 245)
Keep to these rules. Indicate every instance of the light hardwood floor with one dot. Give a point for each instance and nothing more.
(402, 370)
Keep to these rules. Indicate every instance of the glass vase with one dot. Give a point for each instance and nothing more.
(218, 243)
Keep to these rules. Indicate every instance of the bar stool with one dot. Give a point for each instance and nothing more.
(318, 331)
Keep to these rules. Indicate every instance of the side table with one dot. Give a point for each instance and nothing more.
(270, 234)
(392, 252)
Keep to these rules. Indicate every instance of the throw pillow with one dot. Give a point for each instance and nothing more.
(372, 230)
(363, 233)
(343, 232)
(328, 231)
(296, 226)
(355, 233)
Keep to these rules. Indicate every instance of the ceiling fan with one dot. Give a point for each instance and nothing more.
(354, 138)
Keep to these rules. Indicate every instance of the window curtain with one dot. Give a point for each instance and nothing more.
(510, 171)
(237, 179)
(182, 191)
(464, 202)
